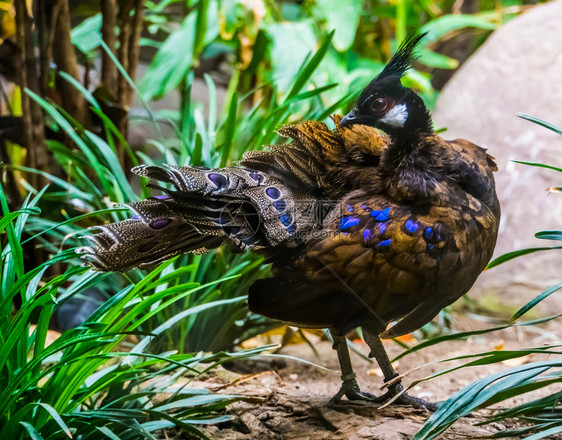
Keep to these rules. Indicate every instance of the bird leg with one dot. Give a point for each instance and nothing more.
(349, 387)
(379, 353)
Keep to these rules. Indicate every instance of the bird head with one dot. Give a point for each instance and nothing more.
(386, 104)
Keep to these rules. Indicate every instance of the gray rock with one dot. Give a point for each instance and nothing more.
(518, 69)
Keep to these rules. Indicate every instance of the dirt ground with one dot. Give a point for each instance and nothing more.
(289, 399)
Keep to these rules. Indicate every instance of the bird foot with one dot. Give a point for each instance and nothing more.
(406, 399)
(416, 402)
(350, 389)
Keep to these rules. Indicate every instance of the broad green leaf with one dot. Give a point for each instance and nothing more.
(171, 63)
(107, 432)
(443, 25)
(87, 35)
(291, 44)
(33, 433)
(308, 69)
(433, 59)
(476, 395)
(341, 16)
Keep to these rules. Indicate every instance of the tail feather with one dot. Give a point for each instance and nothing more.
(135, 243)
(200, 210)
(265, 203)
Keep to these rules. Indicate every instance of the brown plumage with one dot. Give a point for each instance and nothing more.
(363, 229)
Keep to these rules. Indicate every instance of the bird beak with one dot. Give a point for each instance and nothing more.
(349, 119)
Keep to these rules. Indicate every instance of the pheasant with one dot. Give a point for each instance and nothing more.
(362, 229)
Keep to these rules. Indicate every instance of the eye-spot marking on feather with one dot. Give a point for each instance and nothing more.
(280, 205)
(273, 193)
(286, 219)
(411, 226)
(348, 222)
(160, 223)
(218, 180)
(146, 247)
(256, 176)
(381, 215)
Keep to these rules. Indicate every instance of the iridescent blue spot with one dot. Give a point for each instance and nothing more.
(273, 193)
(366, 234)
(382, 215)
(349, 208)
(348, 222)
(218, 180)
(365, 208)
(160, 223)
(411, 226)
(280, 205)
(135, 217)
(430, 247)
(431, 235)
(161, 197)
(256, 176)
(286, 219)
(222, 221)
(384, 243)
(382, 228)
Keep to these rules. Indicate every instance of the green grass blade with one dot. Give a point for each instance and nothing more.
(540, 122)
(545, 294)
(308, 69)
(511, 255)
(540, 165)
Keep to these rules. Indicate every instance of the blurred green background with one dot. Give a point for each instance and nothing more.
(91, 88)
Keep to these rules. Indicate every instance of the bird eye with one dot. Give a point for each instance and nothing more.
(379, 105)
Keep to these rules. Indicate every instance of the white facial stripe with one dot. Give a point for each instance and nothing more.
(396, 117)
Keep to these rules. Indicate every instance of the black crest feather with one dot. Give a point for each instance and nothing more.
(397, 66)
(403, 58)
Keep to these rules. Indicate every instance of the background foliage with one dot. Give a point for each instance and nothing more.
(199, 82)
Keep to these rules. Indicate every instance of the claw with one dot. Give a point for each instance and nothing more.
(406, 399)
(416, 402)
(350, 389)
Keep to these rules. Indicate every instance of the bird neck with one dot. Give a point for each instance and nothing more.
(411, 166)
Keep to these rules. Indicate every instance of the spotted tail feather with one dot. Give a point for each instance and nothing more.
(201, 209)
(153, 235)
